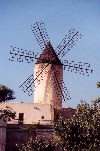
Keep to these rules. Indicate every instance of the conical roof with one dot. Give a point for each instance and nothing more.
(48, 55)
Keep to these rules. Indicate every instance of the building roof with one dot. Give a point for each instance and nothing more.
(48, 55)
(66, 113)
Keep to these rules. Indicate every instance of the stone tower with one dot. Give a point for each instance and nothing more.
(48, 75)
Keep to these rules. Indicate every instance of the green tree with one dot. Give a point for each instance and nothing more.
(6, 94)
(81, 132)
(36, 145)
(97, 100)
(98, 84)
(7, 114)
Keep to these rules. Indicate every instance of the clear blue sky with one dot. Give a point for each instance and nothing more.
(16, 17)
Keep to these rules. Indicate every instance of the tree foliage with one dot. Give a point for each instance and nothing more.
(38, 144)
(7, 114)
(98, 84)
(6, 94)
(97, 100)
(81, 132)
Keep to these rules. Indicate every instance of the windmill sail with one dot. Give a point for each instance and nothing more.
(79, 67)
(67, 43)
(62, 88)
(27, 86)
(20, 55)
(40, 34)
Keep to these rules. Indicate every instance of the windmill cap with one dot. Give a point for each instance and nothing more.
(48, 55)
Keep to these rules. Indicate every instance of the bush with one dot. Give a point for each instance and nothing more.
(81, 132)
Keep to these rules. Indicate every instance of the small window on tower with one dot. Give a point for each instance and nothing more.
(42, 117)
(21, 118)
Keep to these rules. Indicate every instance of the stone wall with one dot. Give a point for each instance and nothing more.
(19, 134)
(2, 135)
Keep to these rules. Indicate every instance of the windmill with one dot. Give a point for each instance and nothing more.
(40, 33)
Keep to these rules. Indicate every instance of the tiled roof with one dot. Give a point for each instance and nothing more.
(66, 113)
(48, 56)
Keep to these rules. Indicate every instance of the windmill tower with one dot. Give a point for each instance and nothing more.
(48, 86)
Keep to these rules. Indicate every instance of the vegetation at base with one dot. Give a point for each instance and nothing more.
(79, 133)
(7, 114)
(82, 131)
(97, 100)
(36, 145)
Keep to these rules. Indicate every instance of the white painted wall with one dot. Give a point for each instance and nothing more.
(46, 88)
(32, 112)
